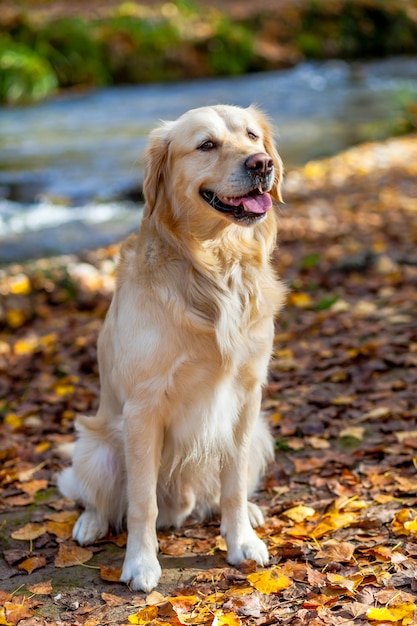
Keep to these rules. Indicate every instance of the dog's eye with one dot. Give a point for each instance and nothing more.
(207, 145)
(252, 135)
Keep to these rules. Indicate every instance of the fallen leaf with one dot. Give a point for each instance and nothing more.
(14, 612)
(29, 532)
(144, 616)
(111, 574)
(32, 487)
(70, 555)
(351, 583)
(270, 581)
(225, 619)
(112, 600)
(41, 589)
(32, 563)
(403, 613)
(299, 513)
(338, 551)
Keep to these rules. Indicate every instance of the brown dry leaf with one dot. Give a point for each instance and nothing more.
(33, 486)
(70, 555)
(333, 550)
(155, 598)
(112, 600)
(20, 500)
(270, 581)
(316, 578)
(119, 540)
(41, 589)
(62, 516)
(249, 605)
(111, 574)
(351, 583)
(32, 563)
(14, 611)
(29, 532)
(174, 547)
(63, 530)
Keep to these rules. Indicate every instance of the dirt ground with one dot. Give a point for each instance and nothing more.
(340, 499)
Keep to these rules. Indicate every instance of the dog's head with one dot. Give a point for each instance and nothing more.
(216, 163)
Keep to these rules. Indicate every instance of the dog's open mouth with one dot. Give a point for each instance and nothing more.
(248, 208)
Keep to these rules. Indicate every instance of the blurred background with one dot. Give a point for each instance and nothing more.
(82, 83)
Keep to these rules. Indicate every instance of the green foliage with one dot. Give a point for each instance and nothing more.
(230, 49)
(351, 29)
(138, 44)
(72, 48)
(138, 50)
(24, 75)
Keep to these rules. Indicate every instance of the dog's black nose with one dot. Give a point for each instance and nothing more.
(259, 163)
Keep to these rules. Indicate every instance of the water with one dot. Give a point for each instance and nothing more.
(68, 166)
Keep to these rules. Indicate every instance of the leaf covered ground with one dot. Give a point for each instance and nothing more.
(340, 500)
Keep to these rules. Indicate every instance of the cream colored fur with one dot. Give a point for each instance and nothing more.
(184, 352)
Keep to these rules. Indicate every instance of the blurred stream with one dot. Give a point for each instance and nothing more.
(69, 166)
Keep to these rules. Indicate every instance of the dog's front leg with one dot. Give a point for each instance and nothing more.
(242, 541)
(143, 444)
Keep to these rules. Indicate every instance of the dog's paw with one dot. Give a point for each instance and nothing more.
(256, 517)
(253, 548)
(141, 574)
(89, 527)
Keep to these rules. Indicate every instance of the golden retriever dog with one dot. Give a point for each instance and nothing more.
(185, 346)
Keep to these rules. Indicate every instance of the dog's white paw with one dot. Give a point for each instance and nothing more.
(251, 548)
(89, 527)
(256, 517)
(141, 574)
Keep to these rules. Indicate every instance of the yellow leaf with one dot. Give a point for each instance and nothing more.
(226, 619)
(15, 318)
(299, 513)
(343, 400)
(221, 544)
(64, 390)
(271, 581)
(3, 620)
(183, 604)
(345, 582)
(301, 300)
(332, 522)
(29, 532)
(26, 346)
(13, 420)
(411, 526)
(404, 612)
(356, 432)
(144, 616)
(20, 285)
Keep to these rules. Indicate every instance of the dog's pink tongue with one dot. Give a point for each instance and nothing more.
(257, 204)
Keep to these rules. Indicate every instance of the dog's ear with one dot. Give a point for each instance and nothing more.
(155, 166)
(271, 150)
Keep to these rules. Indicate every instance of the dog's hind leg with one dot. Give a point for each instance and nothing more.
(96, 481)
